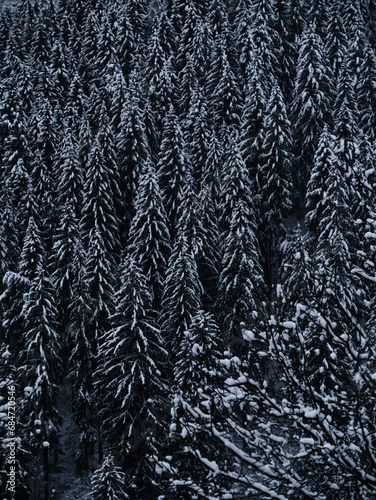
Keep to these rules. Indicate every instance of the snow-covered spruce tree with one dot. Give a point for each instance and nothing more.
(70, 189)
(353, 13)
(243, 41)
(197, 133)
(9, 390)
(132, 149)
(88, 44)
(16, 284)
(187, 87)
(107, 482)
(273, 179)
(117, 93)
(361, 60)
(41, 43)
(213, 171)
(39, 368)
(329, 289)
(336, 244)
(181, 12)
(208, 255)
(312, 94)
(172, 166)
(137, 14)
(43, 137)
(149, 238)
(224, 89)
(10, 243)
(217, 12)
(100, 231)
(124, 39)
(346, 120)
(106, 55)
(291, 21)
(317, 12)
(16, 161)
(160, 75)
(130, 386)
(181, 296)
(81, 362)
(337, 38)
(323, 161)
(266, 39)
(241, 284)
(251, 129)
(195, 43)
(198, 373)
(295, 271)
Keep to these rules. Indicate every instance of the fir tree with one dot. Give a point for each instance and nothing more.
(81, 362)
(198, 374)
(39, 367)
(311, 103)
(181, 296)
(273, 179)
(172, 166)
(129, 364)
(241, 284)
(149, 239)
(107, 482)
(132, 150)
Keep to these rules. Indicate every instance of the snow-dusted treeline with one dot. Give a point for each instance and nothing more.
(188, 248)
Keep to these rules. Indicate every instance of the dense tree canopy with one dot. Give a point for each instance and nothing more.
(187, 248)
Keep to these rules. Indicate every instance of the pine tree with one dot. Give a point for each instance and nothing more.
(107, 482)
(181, 296)
(149, 239)
(238, 296)
(39, 367)
(133, 150)
(81, 362)
(273, 179)
(172, 166)
(129, 366)
(198, 374)
(311, 104)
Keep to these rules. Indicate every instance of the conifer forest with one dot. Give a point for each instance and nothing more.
(188, 249)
